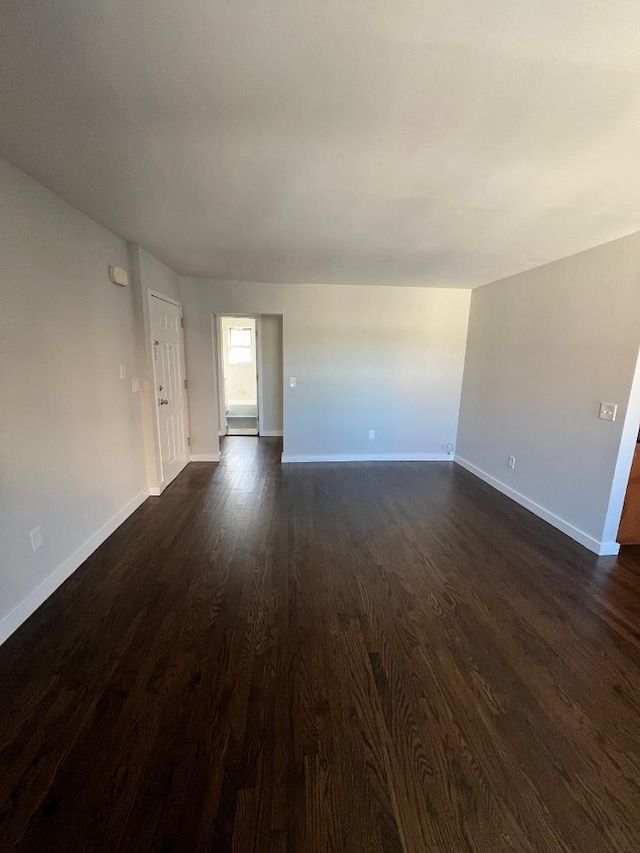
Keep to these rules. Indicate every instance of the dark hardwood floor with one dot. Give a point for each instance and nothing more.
(356, 658)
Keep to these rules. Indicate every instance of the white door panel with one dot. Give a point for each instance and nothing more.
(166, 329)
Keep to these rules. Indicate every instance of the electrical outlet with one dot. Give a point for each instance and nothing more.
(608, 411)
(372, 433)
(135, 385)
(511, 462)
(36, 538)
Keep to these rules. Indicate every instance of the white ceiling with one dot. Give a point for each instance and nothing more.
(423, 142)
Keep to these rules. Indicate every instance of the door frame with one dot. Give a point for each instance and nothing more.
(622, 471)
(155, 294)
(218, 343)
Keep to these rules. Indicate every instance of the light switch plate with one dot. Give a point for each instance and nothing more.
(608, 411)
(123, 371)
(36, 538)
(292, 382)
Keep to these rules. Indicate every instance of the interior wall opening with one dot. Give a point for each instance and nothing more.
(239, 376)
(250, 374)
(624, 503)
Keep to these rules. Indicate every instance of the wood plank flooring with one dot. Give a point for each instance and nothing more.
(362, 658)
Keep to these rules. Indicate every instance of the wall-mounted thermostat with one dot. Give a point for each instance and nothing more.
(119, 276)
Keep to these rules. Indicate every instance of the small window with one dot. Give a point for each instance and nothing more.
(240, 345)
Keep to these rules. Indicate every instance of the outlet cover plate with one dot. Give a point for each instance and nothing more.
(608, 411)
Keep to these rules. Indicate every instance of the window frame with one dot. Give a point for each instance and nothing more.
(250, 346)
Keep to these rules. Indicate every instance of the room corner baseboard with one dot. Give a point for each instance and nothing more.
(603, 549)
(368, 457)
(154, 491)
(205, 457)
(271, 433)
(609, 549)
(14, 619)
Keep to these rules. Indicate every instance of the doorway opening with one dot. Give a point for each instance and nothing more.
(239, 376)
(250, 374)
(622, 526)
(629, 485)
(170, 401)
(629, 530)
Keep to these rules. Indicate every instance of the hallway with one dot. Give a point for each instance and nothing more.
(360, 658)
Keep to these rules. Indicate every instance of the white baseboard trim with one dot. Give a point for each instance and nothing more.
(598, 547)
(271, 433)
(12, 621)
(609, 549)
(154, 491)
(205, 457)
(369, 457)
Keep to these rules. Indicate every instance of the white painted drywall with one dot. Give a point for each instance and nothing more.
(158, 276)
(71, 454)
(544, 348)
(270, 344)
(433, 143)
(388, 359)
(148, 273)
(241, 379)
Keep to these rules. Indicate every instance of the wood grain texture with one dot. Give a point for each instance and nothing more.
(629, 530)
(361, 658)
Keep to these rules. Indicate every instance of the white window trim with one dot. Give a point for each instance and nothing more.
(251, 347)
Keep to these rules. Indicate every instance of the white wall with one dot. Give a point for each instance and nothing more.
(158, 276)
(544, 348)
(71, 452)
(388, 359)
(270, 344)
(241, 378)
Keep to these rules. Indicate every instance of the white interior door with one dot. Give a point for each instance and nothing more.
(168, 369)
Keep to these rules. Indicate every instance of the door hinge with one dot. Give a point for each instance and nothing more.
(188, 441)
(182, 322)
(185, 382)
